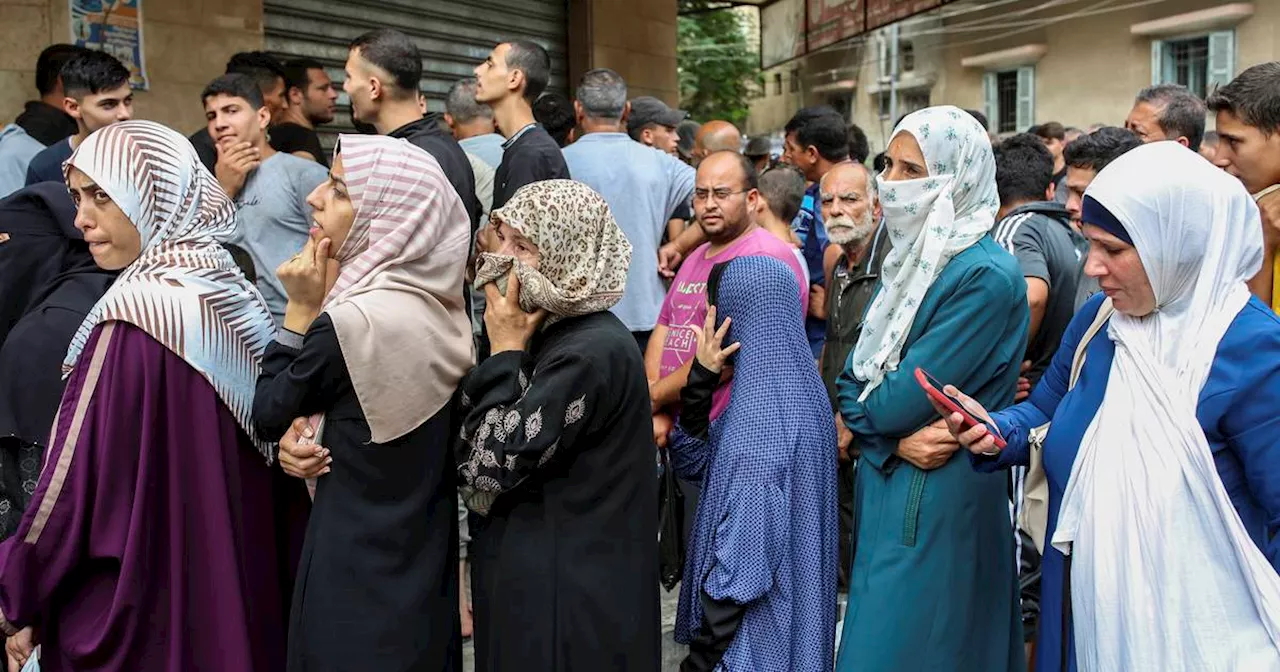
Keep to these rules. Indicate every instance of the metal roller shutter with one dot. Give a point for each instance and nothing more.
(454, 36)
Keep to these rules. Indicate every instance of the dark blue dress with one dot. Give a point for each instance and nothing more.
(1237, 410)
(759, 588)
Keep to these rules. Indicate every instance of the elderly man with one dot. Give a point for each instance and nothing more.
(1168, 112)
(642, 185)
(859, 246)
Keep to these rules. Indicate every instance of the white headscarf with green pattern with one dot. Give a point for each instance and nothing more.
(930, 220)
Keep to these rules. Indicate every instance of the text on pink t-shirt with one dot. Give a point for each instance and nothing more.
(686, 302)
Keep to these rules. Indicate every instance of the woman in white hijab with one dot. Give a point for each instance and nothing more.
(932, 582)
(1163, 459)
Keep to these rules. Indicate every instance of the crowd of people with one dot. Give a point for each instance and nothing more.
(506, 372)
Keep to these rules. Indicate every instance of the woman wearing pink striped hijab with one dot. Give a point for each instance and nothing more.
(375, 340)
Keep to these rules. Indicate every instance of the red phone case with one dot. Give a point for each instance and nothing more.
(950, 404)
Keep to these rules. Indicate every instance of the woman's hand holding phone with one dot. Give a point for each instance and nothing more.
(977, 438)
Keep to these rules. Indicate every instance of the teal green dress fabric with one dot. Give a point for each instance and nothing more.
(933, 584)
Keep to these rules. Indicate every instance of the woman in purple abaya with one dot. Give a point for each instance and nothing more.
(150, 544)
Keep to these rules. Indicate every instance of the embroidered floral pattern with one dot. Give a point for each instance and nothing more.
(533, 425)
(575, 411)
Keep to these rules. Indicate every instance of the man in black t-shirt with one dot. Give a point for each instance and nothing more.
(1037, 230)
(312, 101)
(383, 72)
(509, 80)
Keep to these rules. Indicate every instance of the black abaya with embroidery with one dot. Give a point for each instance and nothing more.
(564, 564)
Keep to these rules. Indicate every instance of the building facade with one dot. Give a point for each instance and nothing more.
(1022, 63)
(186, 43)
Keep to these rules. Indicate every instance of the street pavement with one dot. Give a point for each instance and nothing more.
(672, 652)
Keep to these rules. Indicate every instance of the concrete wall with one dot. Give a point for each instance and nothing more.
(186, 44)
(1094, 66)
(636, 38)
(770, 110)
(1090, 73)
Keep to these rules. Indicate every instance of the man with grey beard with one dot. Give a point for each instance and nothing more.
(852, 215)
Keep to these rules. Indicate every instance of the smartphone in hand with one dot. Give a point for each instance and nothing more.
(934, 389)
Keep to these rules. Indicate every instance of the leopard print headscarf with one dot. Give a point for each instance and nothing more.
(583, 255)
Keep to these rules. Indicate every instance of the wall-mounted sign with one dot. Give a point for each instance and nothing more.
(830, 21)
(113, 26)
(781, 32)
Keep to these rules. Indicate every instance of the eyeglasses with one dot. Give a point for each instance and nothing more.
(701, 195)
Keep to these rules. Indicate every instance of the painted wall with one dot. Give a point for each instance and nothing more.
(635, 38)
(1094, 66)
(186, 44)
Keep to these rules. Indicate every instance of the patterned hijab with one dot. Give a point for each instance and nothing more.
(930, 220)
(583, 254)
(397, 305)
(184, 289)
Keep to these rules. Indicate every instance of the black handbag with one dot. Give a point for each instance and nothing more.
(671, 542)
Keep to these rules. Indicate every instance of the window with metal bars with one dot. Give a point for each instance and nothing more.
(1187, 63)
(1007, 106)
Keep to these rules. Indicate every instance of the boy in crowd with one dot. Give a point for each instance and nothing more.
(97, 94)
(269, 188)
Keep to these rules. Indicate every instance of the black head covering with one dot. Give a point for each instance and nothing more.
(40, 223)
(55, 282)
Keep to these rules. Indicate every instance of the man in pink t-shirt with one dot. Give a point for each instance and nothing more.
(725, 201)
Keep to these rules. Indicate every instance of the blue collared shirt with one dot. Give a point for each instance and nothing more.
(643, 187)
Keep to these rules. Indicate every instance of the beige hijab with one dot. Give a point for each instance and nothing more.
(584, 256)
(397, 305)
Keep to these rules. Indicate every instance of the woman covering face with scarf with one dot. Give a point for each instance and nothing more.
(557, 455)
(150, 543)
(933, 579)
(375, 340)
(1162, 460)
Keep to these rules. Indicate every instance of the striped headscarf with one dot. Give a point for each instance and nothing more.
(584, 256)
(397, 304)
(184, 289)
